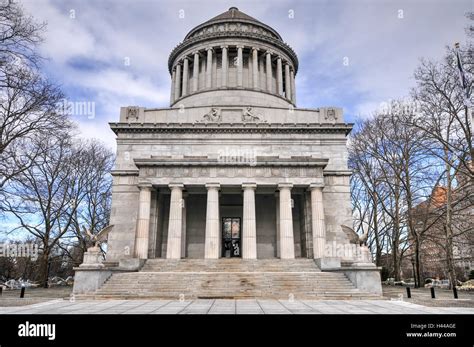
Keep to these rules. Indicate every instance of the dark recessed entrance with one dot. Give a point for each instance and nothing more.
(231, 234)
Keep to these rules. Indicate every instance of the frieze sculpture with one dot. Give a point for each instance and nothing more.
(330, 115)
(249, 116)
(213, 115)
(132, 112)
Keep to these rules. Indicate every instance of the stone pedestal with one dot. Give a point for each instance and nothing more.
(328, 263)
(89, 279)
(365, 278)
(92, 259)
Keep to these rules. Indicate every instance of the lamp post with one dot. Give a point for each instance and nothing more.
(413, 266)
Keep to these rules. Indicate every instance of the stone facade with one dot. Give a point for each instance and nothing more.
(231, 144)
(231, 148)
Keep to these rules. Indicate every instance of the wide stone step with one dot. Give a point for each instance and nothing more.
(226, 265)
(229, 278)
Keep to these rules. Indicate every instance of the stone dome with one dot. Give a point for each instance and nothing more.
(233, 59)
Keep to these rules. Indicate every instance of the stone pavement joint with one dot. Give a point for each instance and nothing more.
(231, 306)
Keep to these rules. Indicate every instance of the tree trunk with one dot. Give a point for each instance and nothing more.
(448, 226)
(43, 272)
(378, 248)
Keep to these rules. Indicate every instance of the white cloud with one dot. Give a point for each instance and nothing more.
(383, 49)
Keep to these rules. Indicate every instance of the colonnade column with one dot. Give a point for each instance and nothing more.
(249, 227)
(255, 67)
(240, 63)
(287, 246)
(177, 82)
(196, 72)
(287, 81)
(293, 88)
(175, 223)
(209, 68)
(225, 66)
(173, 78)
(212, 242)
(317, 220)
(185, 76)
(279, 76)
(268, 66)
(143, 222)
(277, 201)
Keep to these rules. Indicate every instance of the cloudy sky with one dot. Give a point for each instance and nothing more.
(355, 53)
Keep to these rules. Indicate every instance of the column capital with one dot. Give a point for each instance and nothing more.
(213, 185)
(176, 186)
(286, 63)
(255, 49)
(145, 185)
(224, 46)
(185, 58)
(285, 185)
(249, 185)
(316, 185)
(270, 52)
(209, 49)
(279, 57)
(240, 46)
(195, 52)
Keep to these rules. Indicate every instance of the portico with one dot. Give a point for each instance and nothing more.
(185, 218)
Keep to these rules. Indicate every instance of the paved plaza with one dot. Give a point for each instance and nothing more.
(225, 306)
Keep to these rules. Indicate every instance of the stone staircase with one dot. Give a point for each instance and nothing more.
(229, 278)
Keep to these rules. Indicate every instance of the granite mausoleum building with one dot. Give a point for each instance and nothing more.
(232, 190)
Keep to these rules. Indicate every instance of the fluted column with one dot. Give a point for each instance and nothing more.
(175, 223)
(279, 76)
(293, 89)
(268, 65)
(211, 247)
(196, 72)
(143, 222)
(255, 67)
(249, 227)
(317, 220)
(277, 203)
(225, 66)
(287, 245)
(177, 83)
(209, 68)
(185, 76)
(240, 64)
(173, 81)
(287, 81)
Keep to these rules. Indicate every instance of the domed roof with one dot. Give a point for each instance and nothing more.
(233, 14)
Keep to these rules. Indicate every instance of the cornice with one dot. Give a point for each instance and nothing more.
(218, 127)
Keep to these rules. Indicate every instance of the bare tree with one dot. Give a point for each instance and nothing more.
(28, 101)
(444, 118)
(44, 197)
(93, 212)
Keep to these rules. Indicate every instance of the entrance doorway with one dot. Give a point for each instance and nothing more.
(231, 235)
